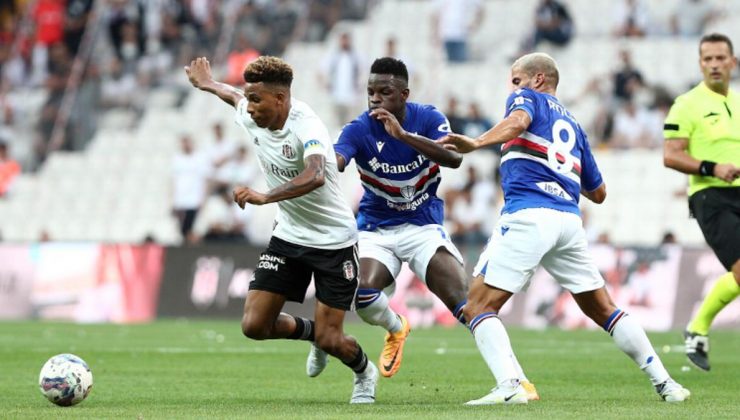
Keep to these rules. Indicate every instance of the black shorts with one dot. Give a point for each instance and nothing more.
(285, 268)
(718, 212)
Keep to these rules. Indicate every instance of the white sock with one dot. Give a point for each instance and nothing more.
(631, 339)
(493, 344)
(377, 312)
(518, 367)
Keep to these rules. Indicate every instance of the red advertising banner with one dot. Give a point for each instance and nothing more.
(83, 282)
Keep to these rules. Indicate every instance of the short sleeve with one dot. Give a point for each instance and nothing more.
(521, 99)
(314, 136)
(590, 175)
(436, 125)
(346, 145)
(678, 123)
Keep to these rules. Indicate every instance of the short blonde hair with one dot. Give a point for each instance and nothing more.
(538, 62)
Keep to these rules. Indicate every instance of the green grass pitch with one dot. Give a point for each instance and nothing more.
(207, 370)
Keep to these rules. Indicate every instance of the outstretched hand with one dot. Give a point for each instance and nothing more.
(199, 72)
(458, 143)
(389, 121)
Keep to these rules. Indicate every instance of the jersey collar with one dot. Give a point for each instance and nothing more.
(712, 93)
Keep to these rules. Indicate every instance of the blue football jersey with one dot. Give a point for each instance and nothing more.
(550, 162)
(400, 183)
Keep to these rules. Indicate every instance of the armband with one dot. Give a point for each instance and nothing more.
(706, 168)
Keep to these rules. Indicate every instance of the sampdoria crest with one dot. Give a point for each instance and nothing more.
(408, 191)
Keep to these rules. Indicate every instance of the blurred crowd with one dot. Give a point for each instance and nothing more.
(81, 58)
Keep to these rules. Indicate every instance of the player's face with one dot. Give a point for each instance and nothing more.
(387, 92)
(264, 104)
(716, 63)
(519, 79)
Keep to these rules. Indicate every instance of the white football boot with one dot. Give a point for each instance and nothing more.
(671, 391)
(364, 390)
(508, 393)
(316, 361)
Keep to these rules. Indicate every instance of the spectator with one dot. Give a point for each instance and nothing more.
(468, 210)
(630, 18)
(204, 17)
(76, 18)
(9, 14)
(457, 122)
(628, 79)
(625, 83)
(48, 18)
(218, 220)
(190, 171)
(475, 124)
(341, 76)
(669, 238)
(221, 150)
(453, 22)
(552, 23)
(322, 15)
(237, 171)
(238, 59)
(118, 88)
(282, 18)
(9, 169)
(7, 112)
(690, 17)
(633, 128)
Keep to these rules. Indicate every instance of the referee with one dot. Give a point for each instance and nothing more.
(702, 132)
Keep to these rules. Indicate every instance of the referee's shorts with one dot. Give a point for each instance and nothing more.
(717, 210)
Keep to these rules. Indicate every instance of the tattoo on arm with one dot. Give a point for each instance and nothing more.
(311, 178)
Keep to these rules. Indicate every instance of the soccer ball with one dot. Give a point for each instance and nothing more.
(65, 379)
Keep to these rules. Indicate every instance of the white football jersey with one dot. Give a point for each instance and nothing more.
(322, 218)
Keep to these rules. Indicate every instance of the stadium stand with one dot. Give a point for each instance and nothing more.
(117, 188)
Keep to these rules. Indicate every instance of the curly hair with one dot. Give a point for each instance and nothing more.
(389, 65)
(269, 70)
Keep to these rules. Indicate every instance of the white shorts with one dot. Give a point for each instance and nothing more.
(415, 245)
(523, 240)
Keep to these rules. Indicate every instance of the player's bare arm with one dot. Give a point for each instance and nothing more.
(429, 148)
(509, 128)
(598, 195)
(341, 163)
(312, 177)
(199, 74)
(676, 156)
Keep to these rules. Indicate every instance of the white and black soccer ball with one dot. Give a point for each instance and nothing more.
(65, 379)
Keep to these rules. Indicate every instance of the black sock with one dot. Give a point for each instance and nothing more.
(304, 329)
(359, 363)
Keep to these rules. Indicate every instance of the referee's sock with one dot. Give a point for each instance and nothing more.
(724, 291)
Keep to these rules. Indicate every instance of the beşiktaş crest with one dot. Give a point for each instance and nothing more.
(348, 269)
(288, 151)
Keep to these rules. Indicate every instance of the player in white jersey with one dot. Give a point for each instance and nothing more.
(314, 232)
(546, 164)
